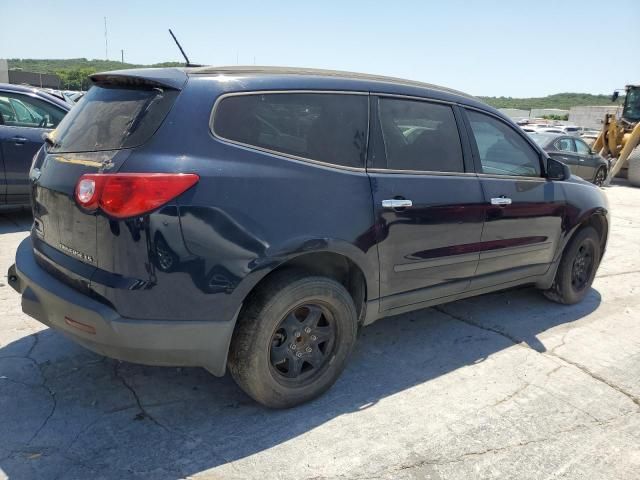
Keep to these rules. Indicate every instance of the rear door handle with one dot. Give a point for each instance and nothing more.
(501, 201)
(397, 203)
(19, 140)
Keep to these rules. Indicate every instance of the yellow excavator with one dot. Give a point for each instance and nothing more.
(620, 137)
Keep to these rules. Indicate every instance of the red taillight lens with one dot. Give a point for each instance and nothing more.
(123, 195)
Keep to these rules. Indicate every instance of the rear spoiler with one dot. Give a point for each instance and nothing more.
(173, 78)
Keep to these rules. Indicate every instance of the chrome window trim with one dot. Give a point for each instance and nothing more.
(414, 97)
(513, 177)
(283, 154)
(422, 172)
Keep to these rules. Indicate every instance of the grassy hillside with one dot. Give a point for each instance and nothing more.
(53, 66)
(560, 100)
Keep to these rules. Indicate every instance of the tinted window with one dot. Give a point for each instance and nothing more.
(502, 151)
(24, 111)
(565, 145)
(582, 147)
(330, 128)
(110, 118)
(420, 136)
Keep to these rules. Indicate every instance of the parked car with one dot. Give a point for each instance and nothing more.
(25, 114)
(574, 151)
(258, 217)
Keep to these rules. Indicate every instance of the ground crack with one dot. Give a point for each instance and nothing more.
(142, 411)
(521, 343)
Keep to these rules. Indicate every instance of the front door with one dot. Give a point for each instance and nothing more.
(524, 210)
(428, 203)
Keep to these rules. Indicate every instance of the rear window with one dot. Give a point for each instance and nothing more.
(327, 127)
(110, 118)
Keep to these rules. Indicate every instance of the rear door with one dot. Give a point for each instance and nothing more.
(524, 210)
(589, 162)
(26, 118)
(428, 203)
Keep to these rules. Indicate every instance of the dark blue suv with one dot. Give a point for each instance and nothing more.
(257, 217)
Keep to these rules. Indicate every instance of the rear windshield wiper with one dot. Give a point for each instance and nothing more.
(49, 140)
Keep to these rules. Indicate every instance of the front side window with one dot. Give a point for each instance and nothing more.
(24, 111)
(420, 136)
(502, 151)
(565, 145)
(582, 147)
(327, 127)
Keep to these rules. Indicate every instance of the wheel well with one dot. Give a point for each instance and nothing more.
(599, 223)
(331, 265)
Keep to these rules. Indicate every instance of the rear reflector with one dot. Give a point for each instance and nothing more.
(80, 326)
(123, 195)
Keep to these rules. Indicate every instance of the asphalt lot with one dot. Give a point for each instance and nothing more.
(505, 385)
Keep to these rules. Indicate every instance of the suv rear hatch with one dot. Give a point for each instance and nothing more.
(120, 112)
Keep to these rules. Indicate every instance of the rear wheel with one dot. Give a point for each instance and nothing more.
(577, 268)
(293, 339)
(600, 177)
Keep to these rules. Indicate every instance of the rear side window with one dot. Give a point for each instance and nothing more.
(502, 151)
(420, 136)
(326, 127)
(18, 110)
(565, 145)
(110, 118)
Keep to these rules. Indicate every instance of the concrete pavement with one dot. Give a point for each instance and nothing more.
(506, 385)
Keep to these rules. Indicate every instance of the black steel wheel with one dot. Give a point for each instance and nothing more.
(292, 339)
(303, 343)
(577, 268)
(601, 176)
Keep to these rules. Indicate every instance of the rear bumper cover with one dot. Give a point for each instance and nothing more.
(102, 330)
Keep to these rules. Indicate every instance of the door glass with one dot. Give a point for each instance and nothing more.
(24, 111)
(565, 145)
(502, 151)
(420, 136)
(582, 147)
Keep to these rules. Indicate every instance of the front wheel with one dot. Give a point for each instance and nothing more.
(293, 339)
(577, 268)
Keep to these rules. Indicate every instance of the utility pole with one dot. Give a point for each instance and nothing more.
(122, 56)
(106, 40)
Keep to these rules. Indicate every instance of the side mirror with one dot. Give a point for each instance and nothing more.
(615, 96)
(557, 170)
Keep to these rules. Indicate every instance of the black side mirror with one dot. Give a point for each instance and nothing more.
(557, 170)
(615, 96)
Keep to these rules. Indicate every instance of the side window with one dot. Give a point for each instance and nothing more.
(330, 128)
(502, 151)
(420, 136)
(565, 145)
(582, 147)
(24, 111)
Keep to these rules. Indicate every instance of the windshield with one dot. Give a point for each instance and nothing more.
(541, 139)
(111, 118)
(632, 105)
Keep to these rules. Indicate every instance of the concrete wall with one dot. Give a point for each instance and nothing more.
(4, 71)
(541, 112)
(591, 117)
(515, 112)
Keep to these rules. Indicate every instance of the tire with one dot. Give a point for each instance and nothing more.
(261, 359)
(600, 176)
(633, 173)
(566, 288)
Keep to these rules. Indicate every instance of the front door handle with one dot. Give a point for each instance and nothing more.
(19, 140)
(397, 203)
(501, 201)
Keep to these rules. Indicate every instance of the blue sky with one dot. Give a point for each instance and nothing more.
(492, 47)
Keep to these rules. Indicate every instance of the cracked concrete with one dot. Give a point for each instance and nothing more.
(506, 385)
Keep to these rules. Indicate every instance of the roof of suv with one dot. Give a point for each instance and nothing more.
(266, 78)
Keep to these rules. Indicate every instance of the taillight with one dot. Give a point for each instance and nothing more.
(123, 195)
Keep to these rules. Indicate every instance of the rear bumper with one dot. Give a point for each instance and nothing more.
(101, 329)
